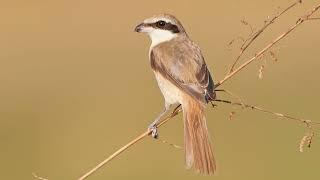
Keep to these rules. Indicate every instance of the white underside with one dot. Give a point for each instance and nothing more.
(171, 94)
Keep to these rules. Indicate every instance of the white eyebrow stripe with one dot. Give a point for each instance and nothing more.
(153, 20)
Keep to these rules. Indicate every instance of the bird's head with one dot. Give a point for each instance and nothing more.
(161, 28)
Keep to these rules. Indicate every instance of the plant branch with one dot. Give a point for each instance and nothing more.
(314, 18)
(280, 115)
(175, 112)
(254, 36)
(275, 41)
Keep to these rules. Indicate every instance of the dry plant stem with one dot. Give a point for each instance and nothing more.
(249, 41)
(232, 95)
(122, 149)
(314, 19)
(306, 140)
(307, 122)
(146, 133)
(260, 53)
(131, 143)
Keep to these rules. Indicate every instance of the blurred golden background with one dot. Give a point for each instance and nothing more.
(76, 85)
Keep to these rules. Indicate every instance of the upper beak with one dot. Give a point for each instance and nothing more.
(139, 27)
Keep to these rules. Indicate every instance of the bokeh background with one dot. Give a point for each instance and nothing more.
(76, 85)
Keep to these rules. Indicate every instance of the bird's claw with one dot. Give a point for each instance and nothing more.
(154, 131)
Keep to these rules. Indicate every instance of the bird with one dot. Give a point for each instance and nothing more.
(184, 79)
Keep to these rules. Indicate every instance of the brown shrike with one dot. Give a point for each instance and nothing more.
(183, 78)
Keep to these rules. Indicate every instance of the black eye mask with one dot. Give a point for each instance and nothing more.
(165, 26)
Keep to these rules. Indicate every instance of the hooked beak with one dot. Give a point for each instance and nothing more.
(139, 27)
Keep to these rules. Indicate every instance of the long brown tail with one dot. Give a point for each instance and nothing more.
(198, 151)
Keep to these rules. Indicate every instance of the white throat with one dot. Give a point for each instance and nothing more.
(158, 36)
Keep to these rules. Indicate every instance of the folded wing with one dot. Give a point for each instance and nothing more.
(183, 65)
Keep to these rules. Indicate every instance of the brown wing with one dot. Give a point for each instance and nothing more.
(181, 62)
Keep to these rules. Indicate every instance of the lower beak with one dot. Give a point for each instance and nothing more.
(139, 27)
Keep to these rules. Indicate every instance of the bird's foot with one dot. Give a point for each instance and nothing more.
(154, 130)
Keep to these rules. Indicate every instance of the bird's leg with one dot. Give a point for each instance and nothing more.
(153, 125)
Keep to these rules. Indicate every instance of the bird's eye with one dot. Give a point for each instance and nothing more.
(161, 23)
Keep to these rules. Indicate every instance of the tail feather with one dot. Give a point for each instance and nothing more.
(198, 151)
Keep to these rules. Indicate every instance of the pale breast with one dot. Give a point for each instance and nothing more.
(171, 93)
